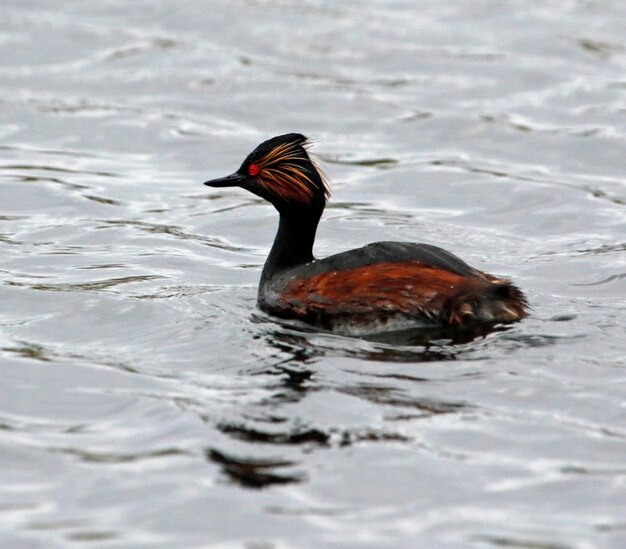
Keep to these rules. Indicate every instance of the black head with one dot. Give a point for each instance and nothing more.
(281, 171)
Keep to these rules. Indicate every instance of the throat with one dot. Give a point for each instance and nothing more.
(293, 244)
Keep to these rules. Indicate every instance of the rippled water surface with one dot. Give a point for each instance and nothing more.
(145, 402)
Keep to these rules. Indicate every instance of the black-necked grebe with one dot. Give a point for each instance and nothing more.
(385, 285)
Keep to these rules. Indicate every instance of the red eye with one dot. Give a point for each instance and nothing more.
(253, 169)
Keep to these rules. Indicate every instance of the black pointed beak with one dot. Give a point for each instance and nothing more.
(232, 180)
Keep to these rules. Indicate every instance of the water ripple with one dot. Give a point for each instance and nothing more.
(146, 401)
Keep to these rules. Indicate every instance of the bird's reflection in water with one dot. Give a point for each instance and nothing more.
(254, 473)
(295, 363)
(299, 350)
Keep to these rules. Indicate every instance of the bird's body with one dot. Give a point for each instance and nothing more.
(381, 286)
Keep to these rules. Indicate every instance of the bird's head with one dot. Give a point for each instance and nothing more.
(281, 171)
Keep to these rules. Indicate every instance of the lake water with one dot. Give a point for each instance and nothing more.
(146, 402)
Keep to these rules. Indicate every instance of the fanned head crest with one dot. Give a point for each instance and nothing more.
(282, 167)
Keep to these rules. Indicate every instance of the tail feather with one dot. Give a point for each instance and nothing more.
(502, 302)
(505, 302)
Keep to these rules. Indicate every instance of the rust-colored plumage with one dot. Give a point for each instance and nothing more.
(281, 172)
(412, 289)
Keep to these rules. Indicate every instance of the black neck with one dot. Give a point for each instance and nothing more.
(293, 244)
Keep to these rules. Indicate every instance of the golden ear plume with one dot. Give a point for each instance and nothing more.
(281, 174)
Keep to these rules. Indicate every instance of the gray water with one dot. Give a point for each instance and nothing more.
(145, 402)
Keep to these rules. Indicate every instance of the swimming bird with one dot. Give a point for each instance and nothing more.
(381, 286)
